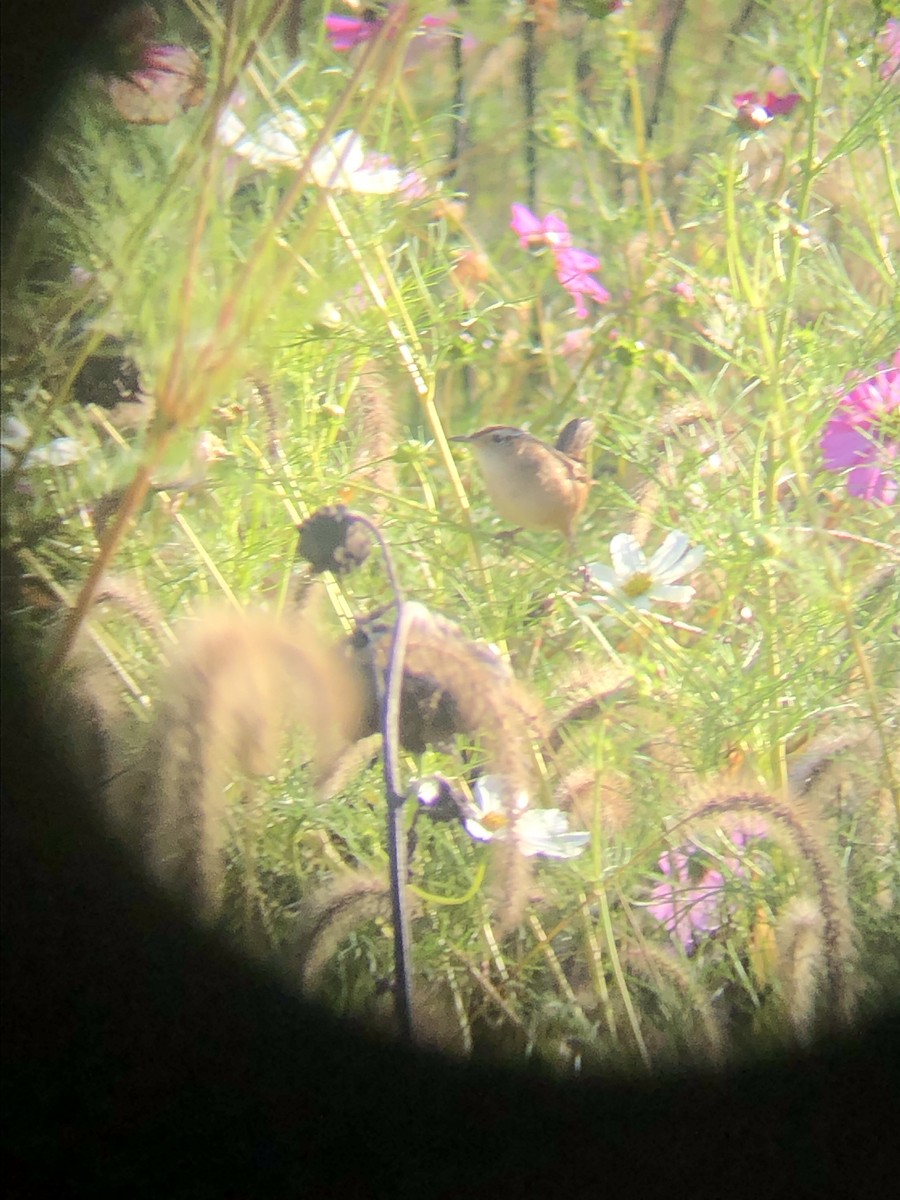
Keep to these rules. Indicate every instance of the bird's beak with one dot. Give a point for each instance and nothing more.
(461, 437)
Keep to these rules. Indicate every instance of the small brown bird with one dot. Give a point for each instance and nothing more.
(534, 485)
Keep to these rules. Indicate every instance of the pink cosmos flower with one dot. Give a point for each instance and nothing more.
(572, 271)
(687, 908)
(552, 231)
(345, 33)
(863, 437)
(573, 266)
(755, 111)
(167, 81)
(888, 41)
(692, 900)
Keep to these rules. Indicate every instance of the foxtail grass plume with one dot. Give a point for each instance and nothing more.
(793, 823)
(234, 682)
(330, 914)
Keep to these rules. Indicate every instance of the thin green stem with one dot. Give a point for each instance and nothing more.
(639, 124)
(600, 893)
(807, 174)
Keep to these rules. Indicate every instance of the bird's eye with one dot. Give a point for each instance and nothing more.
(497, 437)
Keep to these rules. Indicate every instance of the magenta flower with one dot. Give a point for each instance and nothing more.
(755, 111)
(345, 33)
(552, 231)
(863, 436)
(573, 266)
(167, 81)
(692, 900)
(888, 41)
(687, 908)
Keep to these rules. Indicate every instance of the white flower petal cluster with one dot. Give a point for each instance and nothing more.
(61, 452)
(536, 830)
(342, 164)
(636, 581)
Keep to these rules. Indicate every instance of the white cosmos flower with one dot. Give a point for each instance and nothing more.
(342, 164)
(635, 581)
(537, 830)
(277, 143)
(60, 452)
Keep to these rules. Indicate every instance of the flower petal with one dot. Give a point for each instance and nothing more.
(14, 433)
(336, 162)
(560, 845)
(595, 290)
(489, 796)
(574, 262)
(779, 106)
(687, 563)
(526, 225)
(603, 575)
(668, 593)
(229, 127)
(627, 556)
(59, 453)
(669, 553)
(346, 32)
(872, 484)
(556, 231)
(845, 446)
(546, 831)
(478, 831)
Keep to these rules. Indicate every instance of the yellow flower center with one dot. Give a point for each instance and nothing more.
(637, 585)
(494, 821)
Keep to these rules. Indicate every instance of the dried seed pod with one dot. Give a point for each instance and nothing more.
(334, 539)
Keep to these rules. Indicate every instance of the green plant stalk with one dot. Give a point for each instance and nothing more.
(492, 993)
(595, 960)
(297, 513)
(639, 123)
(600, 893)
(890, 172)
(206, 559)
(807, 174)
(555, 965)
(748, 289)
(774, 355)
(424, 391)
(131, 502)
(170, 395)
(454, 901)
(114, 659)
